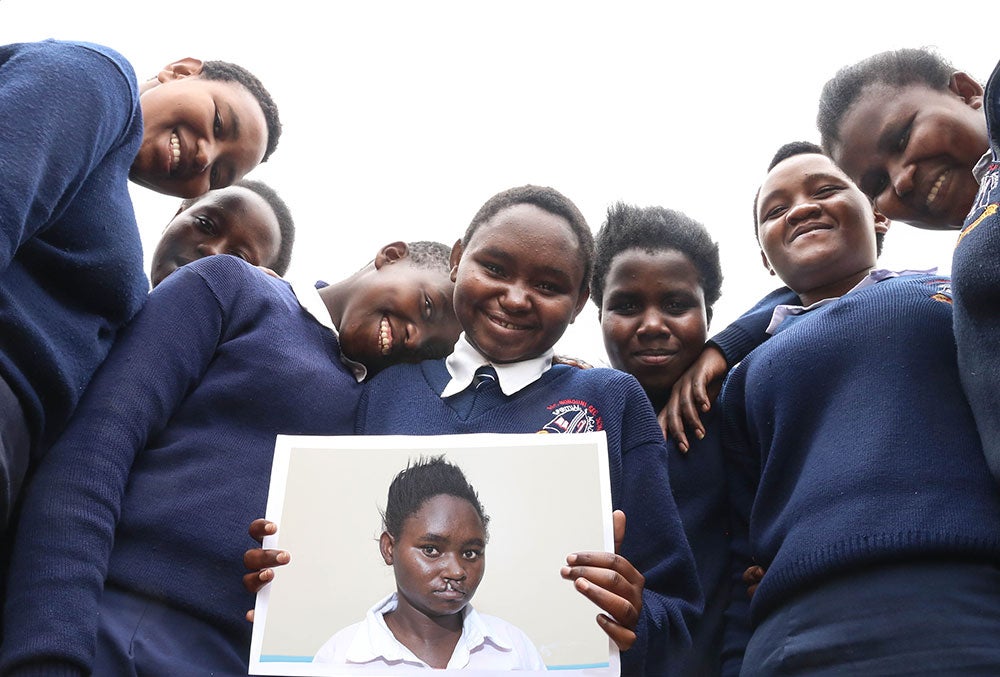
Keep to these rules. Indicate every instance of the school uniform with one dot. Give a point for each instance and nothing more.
(487, 643)
(439, 397)
(134, 529)
(850, 448)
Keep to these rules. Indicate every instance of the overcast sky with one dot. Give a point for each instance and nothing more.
(402, 118)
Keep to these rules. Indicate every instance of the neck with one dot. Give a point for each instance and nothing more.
(831, 290)
(336, 295)
(658, 398)
(431, 638)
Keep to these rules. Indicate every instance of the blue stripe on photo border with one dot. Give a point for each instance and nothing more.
(273, 658)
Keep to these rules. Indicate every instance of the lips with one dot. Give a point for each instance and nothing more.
(653, 356)
(385, 336)
(450, 592)
(806, 228)
(505, 323)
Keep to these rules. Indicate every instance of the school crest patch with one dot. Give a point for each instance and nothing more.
(942, 289)
(573, 416)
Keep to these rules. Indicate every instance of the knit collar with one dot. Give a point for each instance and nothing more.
(783, 312)
(514, 376)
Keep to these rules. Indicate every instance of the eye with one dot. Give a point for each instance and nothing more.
(239, 253)
(774, 212)
(428, 307)
(429, 550)
(624, 308)
(904, 137)
(205, 224)
(217, 123)
(493, 268)
(472, 555)
(828, 189)
(548, 288)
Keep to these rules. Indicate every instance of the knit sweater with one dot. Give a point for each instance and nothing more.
(698, 482)
(849, 442)
(167, 460)
(976, 273)
(749, 330)
(70, 255)
(567, 399)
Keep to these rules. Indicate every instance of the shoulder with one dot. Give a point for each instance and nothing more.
(76, 65)
(334, 649)
(230, 278)
(509, 635)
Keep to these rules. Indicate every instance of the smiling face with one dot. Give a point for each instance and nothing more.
(518, 283)
(198, 135)
(233, 220)
(399, 312)
(817, 229)
(438, 558)
(653, 316)
(912, 150)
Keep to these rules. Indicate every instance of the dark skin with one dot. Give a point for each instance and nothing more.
(606, 579)
(693, 395)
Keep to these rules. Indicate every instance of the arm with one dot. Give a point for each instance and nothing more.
(67, 528)
(696, 389)
(63, 108)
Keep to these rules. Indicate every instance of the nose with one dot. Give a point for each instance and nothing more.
(651, 323)
(209, 248)
(453, 569)
(204, 156)
(516, 298)
(801, 211)
(901, 176)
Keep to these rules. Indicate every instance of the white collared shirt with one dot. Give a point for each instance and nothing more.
(312, 303)
(514, 376)
(782, 312)
(487, 643)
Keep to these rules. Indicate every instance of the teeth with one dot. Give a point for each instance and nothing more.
(934, 189)
(175, 151)
(385, 336)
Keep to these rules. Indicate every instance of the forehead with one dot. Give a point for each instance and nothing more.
(235, 200)
(444, 515)
(798, 171)
(649, 270)
(879, 107)
(531, 234)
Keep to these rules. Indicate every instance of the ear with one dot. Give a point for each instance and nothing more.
(391, 253)
(967, 89)
(882, 222)
(385, 545)
(581, 302)
(767, 264)
(456, 255)
(177, 70)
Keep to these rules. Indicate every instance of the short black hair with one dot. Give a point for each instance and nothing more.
(655, 229)
(429, 254)
(550, 200)
(896, 68)
(230, 72)
(286, 225)
(421, 481)
(804, 148)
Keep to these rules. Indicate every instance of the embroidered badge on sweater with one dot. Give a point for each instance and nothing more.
(942, 287)
(573, 416)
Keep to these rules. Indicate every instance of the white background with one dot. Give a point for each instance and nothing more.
(402, 118)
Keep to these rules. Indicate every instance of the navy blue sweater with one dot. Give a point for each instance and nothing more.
(567, 399)
(849, 442)
(70, 256)
(167, 461)
(698, 482)
(975, 269)
(749, 330)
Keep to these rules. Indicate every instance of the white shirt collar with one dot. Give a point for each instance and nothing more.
(375, 640)
(514, 376)
(783, 312)
(312, 303)
(979, 171)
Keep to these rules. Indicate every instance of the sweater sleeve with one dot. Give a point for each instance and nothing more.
(71, 509)
(749, 330)
(654, 543)
(63, 107)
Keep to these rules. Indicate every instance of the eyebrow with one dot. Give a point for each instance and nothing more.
(811, 176)
(438, 538)
(544, 270)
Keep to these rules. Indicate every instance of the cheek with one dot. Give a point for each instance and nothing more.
(617, 333)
